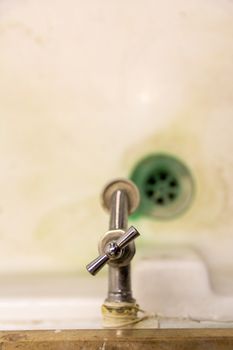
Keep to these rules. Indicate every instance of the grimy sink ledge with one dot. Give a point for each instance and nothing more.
(118, 339)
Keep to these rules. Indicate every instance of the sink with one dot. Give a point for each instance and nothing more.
(87, 91)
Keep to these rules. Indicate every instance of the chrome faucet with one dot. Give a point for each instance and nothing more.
(121, 198)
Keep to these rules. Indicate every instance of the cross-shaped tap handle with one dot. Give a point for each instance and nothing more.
(113, 250)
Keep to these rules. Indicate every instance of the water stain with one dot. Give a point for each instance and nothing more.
(21, 27)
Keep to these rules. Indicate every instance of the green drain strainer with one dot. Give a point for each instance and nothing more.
(165, 184)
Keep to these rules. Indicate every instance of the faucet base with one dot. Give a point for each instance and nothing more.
(119, 314)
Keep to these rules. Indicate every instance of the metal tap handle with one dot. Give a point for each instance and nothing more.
(131, 234)
(97, 264)
(113, 250)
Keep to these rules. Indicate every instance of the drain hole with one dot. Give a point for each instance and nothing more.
(160, 201)
(149, 193)
(163, 175)
(172, 196)
(151, 180)
(173, 183)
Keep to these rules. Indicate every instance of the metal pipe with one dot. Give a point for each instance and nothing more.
(119, 277)
(119, 211)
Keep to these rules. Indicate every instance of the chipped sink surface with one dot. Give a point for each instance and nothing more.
(88, 89)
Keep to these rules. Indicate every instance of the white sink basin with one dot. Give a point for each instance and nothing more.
(87, 89)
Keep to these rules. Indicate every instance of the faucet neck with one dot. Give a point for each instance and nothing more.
(119, 211)
(119, 277)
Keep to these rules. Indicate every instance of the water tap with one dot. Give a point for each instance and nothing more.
(117, 248)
